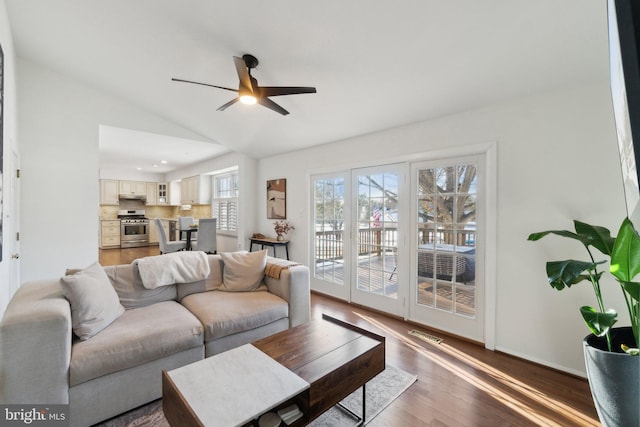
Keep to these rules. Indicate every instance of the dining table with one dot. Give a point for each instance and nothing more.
(188, 232)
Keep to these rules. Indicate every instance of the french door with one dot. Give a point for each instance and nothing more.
(448, 251)
(356, 231)
(377, 231)
(407, 239)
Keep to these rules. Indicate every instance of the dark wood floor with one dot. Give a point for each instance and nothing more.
(462, 384)
(459, 383)
(125, 256)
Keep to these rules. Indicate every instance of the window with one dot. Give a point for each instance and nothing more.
(224, 204)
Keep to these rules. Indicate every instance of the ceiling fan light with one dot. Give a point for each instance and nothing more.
(248, 99)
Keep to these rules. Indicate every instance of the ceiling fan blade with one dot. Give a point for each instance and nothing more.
(228, 104)
(243, 74)
(285, 90)
(266, 102)
(204, 84)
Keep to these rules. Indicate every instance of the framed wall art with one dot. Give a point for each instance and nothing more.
(277, 199)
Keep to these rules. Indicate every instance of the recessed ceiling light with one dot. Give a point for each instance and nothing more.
(139, 169)
(164, 162)
(155, 166)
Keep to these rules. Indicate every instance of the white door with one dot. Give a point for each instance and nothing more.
(376, 237)
(448, 245)
(14, 223)
(330, 241)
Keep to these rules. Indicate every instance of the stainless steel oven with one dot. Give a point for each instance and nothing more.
(134, 228)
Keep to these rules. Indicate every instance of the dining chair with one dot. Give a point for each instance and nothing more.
(207, 236)
(184, 222)
(167, 246)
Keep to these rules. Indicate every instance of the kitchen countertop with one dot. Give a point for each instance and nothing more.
(118, 219)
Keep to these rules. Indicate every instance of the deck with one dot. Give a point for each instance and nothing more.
(377, 275)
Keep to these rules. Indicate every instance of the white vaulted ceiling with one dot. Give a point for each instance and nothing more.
(376, 64)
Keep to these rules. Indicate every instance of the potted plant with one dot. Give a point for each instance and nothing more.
(613, 368)
(281, 228)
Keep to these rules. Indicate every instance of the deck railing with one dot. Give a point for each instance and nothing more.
(329, 245)
(447, 236)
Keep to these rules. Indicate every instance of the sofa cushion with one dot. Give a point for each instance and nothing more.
(226, 313)
(140, 335)
(211, 283)
(243, 271)
(94, 302)
(126, 281)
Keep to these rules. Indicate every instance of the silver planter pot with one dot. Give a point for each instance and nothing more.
(614, 379)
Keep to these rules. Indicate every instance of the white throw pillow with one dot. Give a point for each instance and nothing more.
(94, 302)
(243, 271)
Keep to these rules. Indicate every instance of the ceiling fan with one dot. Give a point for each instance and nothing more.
(249, 92)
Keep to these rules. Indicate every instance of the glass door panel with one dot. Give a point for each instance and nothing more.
(447, 291)
(329, 237)
(377, 211)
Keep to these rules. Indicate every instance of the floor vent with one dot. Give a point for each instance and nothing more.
(425, 337)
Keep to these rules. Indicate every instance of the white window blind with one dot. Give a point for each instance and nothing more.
(226, 211)
(224, 205)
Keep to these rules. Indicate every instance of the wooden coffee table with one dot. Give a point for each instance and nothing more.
(332, 358)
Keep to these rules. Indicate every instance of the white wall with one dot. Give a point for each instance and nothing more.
(557, 160)
(10, 145)
(129, 175)
(247, 201)
(59, 122)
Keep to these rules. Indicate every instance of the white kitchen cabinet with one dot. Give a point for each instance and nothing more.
(195, 190)
(153, 233)
(133, 188)
(188, 190)
(109, 192)
(152, 194)
(109, 234)
(174, 193)
(162, 194)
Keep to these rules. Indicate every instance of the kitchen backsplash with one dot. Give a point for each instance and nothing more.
(196, 211)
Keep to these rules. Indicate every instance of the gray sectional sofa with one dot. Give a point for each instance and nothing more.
(42, 360)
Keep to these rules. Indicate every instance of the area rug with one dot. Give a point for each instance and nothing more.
(381, 391)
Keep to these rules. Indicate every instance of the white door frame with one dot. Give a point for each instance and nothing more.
(490, 151)
(13, 217)
(489, 226)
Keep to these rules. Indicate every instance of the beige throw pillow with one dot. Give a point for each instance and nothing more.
(94, 302)
(243, 271)
(211, 283)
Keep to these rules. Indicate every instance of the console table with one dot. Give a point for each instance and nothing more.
(270, 242)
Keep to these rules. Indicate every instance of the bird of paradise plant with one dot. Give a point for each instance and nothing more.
(624, 265)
